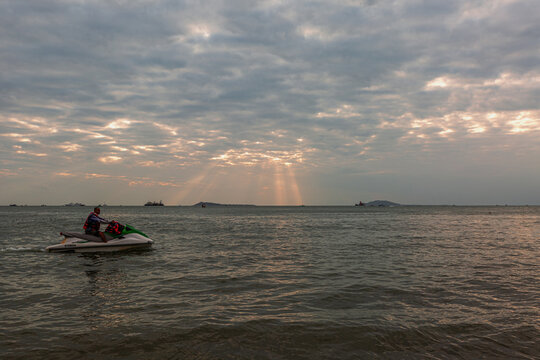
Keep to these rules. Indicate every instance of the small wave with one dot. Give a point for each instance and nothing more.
(22, 249)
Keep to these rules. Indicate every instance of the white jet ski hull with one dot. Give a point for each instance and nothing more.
(81, 243)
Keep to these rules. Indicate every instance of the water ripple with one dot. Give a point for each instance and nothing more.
(278, 283)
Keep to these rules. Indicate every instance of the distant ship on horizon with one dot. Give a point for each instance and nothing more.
(153, 203)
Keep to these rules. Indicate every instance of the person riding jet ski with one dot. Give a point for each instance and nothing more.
(92, 223)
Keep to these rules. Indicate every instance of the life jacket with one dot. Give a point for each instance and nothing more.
(90, 224)
(115, 228)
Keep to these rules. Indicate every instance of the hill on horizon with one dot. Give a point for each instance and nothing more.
(201, 203)
(382, 203)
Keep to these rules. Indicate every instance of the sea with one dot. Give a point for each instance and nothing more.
(256, 282)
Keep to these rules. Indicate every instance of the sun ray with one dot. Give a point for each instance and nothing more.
(279, 186)
(293, 186)
(189, 186)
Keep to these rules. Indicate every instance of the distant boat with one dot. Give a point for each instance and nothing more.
(153, 203)
(74, 204)
(381, 203)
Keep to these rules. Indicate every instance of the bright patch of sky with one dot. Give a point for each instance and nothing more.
(269, 102)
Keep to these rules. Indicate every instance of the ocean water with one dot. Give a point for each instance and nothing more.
(276, 283)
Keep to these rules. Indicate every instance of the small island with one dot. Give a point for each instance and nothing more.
(381, 203)
(205, 204)
(153, 203)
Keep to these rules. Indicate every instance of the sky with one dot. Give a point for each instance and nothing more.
(269, 102)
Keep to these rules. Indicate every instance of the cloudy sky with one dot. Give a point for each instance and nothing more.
(269, 102)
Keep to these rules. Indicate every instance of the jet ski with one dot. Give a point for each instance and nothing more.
(119, 237)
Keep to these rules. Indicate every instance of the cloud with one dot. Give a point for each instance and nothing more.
(161, 92)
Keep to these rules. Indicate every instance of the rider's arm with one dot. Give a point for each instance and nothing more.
(99, 219)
